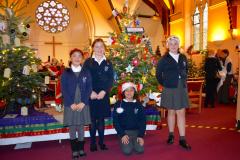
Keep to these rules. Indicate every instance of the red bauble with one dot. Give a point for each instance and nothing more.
(2, 104)
(139, 87)
(135, 62)
(139, 40)
(113, 41)
(132, 38)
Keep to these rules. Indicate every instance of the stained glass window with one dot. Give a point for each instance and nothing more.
(196, 29)
(200, 27)
(52, 16)
(205, 26)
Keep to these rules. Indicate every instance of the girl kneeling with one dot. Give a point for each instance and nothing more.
(129, 121)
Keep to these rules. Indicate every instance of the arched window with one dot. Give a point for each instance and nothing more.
(196, 29)
(205, 26)
(200, 26)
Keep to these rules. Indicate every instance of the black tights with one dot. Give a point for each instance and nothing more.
(97, 124)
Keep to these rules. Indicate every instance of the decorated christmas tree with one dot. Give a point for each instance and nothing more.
(193, 70)
(19, 80)
(131, 54)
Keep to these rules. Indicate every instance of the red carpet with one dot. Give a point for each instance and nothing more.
(207, 143)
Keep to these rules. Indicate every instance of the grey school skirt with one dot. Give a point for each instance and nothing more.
(76, 117)
(175, 98)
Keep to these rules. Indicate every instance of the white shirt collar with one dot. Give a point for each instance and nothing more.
(134, 101)
(175, 56)
(101, 60)
(76, 69)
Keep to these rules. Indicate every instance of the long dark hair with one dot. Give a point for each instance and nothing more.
(226, 51)
(73, 51)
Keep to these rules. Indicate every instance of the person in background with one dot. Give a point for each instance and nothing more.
(212, 67)
(223, 93)
(101, 70)
(171, 73)
(76, 87)
(129, 120)
(158, 53)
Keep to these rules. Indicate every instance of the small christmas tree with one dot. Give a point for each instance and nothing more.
(193, 70)
(19, 80)
(131, 54)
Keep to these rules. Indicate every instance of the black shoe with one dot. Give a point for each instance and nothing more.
(205, 105)
(82, 154)
(184, 145)
(238, 125)
(103, 147)
(170, 139)
(93, 147)
(74, 147)
(75, 157)
(81, 149)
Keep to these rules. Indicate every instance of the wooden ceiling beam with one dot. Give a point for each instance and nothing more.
(171, 6)
(112, 8)
(151, 5)
(164, 13)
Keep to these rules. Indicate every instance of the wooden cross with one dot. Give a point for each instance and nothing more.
(53, 43)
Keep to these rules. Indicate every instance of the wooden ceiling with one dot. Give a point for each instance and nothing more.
(162, 7)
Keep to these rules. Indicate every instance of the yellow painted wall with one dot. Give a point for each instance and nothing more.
(102, 27)
(177, 28)
(188, 5)
(86, 22)
(75, 36)
(154, 30)
(218, 23)
(177, 22)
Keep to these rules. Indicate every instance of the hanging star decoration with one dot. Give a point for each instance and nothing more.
(153, 71)
(144, 79)
(129, 69)
(126, 37)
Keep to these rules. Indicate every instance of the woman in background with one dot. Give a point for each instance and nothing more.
(212, 67)
(223, 93)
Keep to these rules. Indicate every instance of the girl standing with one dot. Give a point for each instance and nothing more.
(172, 75)
(102, 79)
(76, 87)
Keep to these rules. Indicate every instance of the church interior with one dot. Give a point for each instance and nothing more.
(36, 40)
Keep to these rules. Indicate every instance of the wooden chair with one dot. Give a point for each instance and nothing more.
(195, 94)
